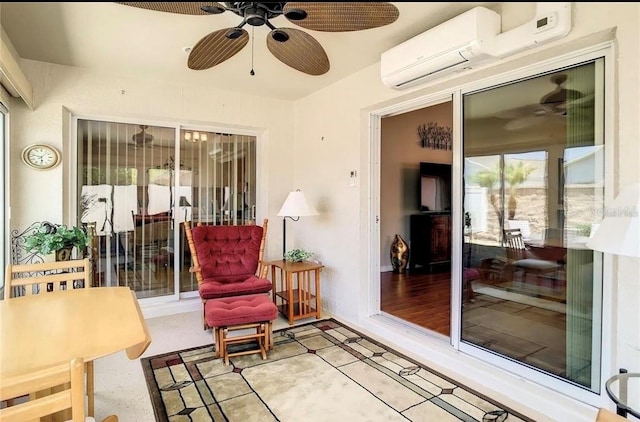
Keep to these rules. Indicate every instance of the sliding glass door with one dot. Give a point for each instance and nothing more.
(533, 182)
(138, 184)
(217, 185)
(4, 188)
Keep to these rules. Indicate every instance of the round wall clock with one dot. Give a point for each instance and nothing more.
(41, 156)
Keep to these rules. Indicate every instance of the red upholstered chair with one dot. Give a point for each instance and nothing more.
(227, 260)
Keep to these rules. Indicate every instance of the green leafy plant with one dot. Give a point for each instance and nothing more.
(297, 255)
(51, 238)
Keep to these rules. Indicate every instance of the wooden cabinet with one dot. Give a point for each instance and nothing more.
(430, 240)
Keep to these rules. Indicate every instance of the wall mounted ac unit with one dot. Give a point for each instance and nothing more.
(446, 46)
(467, 40)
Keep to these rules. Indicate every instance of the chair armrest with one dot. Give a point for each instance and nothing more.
(195, 269)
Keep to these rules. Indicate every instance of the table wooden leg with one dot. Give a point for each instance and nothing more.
(290, 297)
(318, 300)
(90, 388)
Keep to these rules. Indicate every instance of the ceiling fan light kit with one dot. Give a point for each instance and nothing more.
(295, 48)
(195, 136)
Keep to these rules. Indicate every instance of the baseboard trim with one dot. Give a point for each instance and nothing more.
(153, 310)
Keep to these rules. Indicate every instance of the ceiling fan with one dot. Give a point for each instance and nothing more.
(556, 104)
(291, 46)
(144, 139)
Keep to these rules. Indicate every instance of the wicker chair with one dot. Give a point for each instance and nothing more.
(228, 260)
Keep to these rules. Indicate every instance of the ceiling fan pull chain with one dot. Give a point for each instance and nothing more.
(252, 73)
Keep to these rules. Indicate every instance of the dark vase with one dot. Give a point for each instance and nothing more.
(399, 254)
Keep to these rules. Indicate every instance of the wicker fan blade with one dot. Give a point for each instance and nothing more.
(340, 16)
(183, 8)
(301, 51)
(521, 111)
(215, 48)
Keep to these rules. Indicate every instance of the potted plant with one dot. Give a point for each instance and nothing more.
(58, 239)
(297, 255)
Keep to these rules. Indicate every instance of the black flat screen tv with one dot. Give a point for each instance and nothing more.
(435, 187)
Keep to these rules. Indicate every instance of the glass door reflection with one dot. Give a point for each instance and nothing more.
(533, 177)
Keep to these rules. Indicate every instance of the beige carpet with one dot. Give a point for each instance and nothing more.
(322, 371)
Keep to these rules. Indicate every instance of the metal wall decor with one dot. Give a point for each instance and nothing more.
(19, 253)
(434, 136)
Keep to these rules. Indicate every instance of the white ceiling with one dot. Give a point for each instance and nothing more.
(129, 41)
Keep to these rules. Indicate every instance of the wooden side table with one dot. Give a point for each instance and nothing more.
(292, 288)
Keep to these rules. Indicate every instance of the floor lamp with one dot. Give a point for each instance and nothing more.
(183, 203)
(294, 207)
(619, 234)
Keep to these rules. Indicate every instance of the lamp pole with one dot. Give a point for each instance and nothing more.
(284, 233)
(293, 207)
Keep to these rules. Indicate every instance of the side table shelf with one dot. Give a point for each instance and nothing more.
(296, 288)
(305, 306)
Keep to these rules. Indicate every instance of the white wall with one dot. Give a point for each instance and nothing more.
(341, 234)
(330, 139)
(100, 95)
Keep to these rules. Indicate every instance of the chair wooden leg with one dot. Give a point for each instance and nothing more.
(216, 341)
(90, 388)
(204, 320)
(269, 334)
(261, 341)
(267, 341)
(223, 340)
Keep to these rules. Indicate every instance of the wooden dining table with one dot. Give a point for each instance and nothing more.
(47, 329)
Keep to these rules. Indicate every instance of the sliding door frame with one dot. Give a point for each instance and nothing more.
(5, 189)
(602, 316)
(371, 314)
(70, 176)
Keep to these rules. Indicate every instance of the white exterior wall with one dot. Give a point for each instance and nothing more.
(88, 93)
(340, 234)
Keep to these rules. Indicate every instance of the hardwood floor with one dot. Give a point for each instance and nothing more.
(419, 298)
(532, 331)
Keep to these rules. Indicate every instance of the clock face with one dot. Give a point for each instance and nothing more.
(41, 156)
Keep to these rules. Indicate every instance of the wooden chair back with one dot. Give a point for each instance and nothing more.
(67, 380)
(151, 233)
(605, 415)
(261, 271)
(516, 248)
(46, 276)
(52, 390)
(29, 279)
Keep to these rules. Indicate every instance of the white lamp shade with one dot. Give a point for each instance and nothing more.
(296, 206)
(619, 231)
